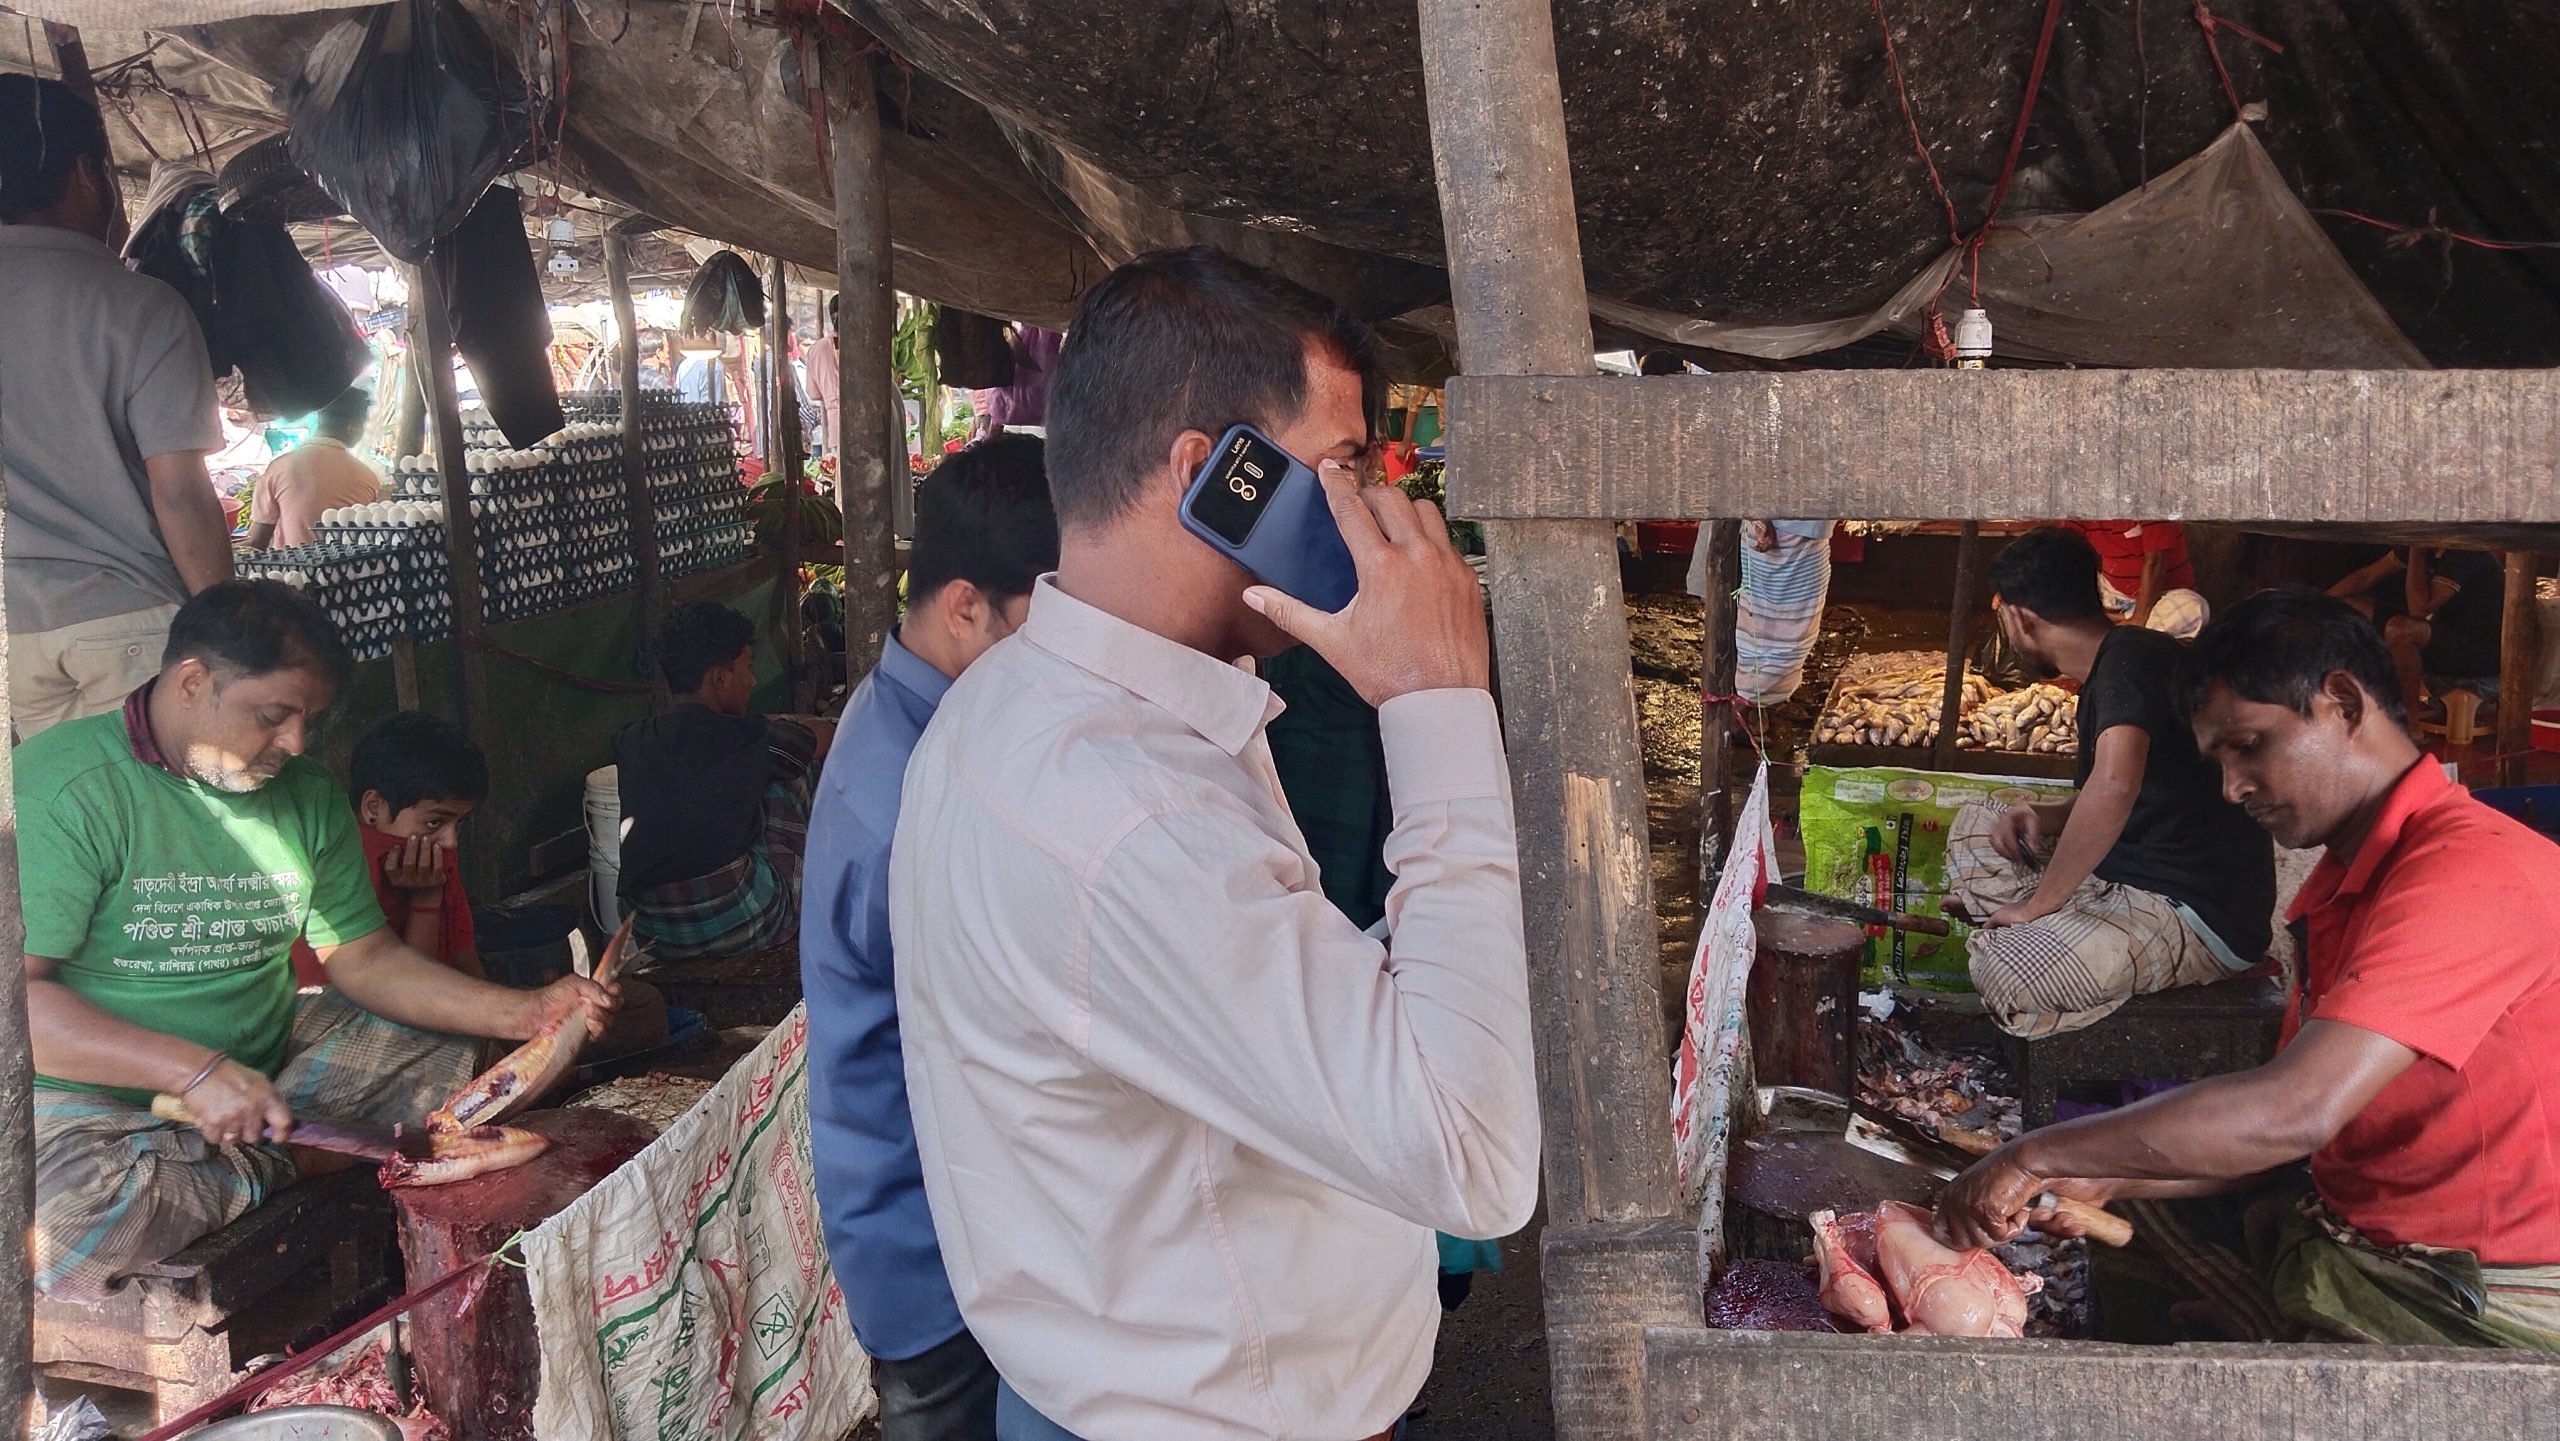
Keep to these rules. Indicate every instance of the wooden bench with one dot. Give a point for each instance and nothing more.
(180, 1331)
(2190, 1031)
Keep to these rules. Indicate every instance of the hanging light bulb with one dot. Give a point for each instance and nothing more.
(1973, 339)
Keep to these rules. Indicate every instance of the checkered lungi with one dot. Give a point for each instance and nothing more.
(117, 1188)
(2108, 944)
(749, 904)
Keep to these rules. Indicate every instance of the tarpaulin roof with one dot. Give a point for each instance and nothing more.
(1735, 166)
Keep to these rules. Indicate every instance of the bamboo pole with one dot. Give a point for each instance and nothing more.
(1959, 639)
(17, 1080)
(433, 351)
(2518, 650)
(782, 462)
(1717, 717)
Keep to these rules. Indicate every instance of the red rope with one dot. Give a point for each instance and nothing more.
(2404, 236)
(1893, 58)
(2213, 26)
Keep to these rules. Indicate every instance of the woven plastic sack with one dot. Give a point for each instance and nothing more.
(405, 114)
(724, 296)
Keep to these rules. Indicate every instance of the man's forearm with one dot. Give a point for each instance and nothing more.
(190, 520)
(385, 977)
(2220, 1130)
(2096, 821)
(73, 1040)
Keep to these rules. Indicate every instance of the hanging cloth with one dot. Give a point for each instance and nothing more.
(501, 324)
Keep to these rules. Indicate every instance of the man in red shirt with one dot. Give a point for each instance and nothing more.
(2147, 577)
(2417, 1072)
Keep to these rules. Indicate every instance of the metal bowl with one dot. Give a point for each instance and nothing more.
(302, 1423)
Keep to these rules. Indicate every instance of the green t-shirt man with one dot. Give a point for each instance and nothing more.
(173, 904)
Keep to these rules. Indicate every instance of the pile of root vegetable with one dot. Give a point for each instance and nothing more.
(2040, 720)
(1894, 699)
(1891, 699)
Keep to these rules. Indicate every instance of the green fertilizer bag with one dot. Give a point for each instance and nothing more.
(1878, 835)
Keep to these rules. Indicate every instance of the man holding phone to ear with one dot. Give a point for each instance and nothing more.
(1185, 1131)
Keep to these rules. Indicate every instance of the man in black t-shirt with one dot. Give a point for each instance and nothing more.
(715, 800)
(2144, 880)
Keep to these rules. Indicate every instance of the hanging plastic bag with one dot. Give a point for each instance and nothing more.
(405, 114)
(724, 296)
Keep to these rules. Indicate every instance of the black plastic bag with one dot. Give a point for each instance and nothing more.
(724, 296)
(502, 326)
(1998, 662)
(405, 114)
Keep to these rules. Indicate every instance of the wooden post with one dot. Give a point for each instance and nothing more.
(1717, 718)
(782, 460)
(17, 1080)
(2519, 654)
(432, 349)
(1617, 1256)
(868, 465)
(71, 58)
(639, 507)
(1959, 639)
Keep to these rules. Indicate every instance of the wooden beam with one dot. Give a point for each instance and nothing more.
(2519, 657)
(1497, 130)
(1560, 642)
(1942, 754)
(432, 352)
(1721, 660)
(17, 1071)
(1800, 1386)
(867, 463)
(2362, 447)
(639, 507)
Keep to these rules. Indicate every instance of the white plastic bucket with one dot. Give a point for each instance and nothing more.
(604, 846)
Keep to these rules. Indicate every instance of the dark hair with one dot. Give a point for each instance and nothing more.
(1185, 340)
(984, 516)
(343, 418)
(411, 757)
(246, 628)
(2279, 647)
(2051, 571)
(697, 638)
(46, 130)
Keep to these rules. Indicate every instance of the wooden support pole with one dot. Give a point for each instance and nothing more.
(1618, 1256)
(1717, 718)
(17, 1080)
(2519, 651)
(782, 461)
(432, 350)
(1942, 755)
(868, 464)
(640, 509)
(71, 59)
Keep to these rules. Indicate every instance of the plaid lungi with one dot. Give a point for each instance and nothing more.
(117, 1188)
(2108, 944)
(749, 904)
(2276, 1264)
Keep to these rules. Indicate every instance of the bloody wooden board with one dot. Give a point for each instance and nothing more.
(475, 1346)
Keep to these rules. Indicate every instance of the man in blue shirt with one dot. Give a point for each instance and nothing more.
(984, 533)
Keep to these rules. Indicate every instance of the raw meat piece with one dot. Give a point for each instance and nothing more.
(460, 1155)
(1846, 1248)
(1945, 1292)
(532, 1068)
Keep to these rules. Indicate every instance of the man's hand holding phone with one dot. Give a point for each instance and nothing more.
(1417, 623)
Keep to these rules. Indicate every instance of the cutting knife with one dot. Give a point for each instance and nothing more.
(1910, 1148)
(347, 1138)
(1798, 898)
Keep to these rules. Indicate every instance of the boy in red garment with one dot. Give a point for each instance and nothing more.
(412, 779)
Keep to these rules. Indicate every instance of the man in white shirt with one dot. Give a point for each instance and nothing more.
(1186, 1132)
(321, 474)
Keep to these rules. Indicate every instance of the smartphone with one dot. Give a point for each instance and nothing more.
(1264, 509)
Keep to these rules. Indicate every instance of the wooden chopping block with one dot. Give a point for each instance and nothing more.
(475, 1346)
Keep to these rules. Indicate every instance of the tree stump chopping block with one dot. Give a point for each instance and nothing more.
(1803, 999)
(475, 1345)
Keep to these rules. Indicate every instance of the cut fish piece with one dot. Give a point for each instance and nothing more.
(1845, 1247)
